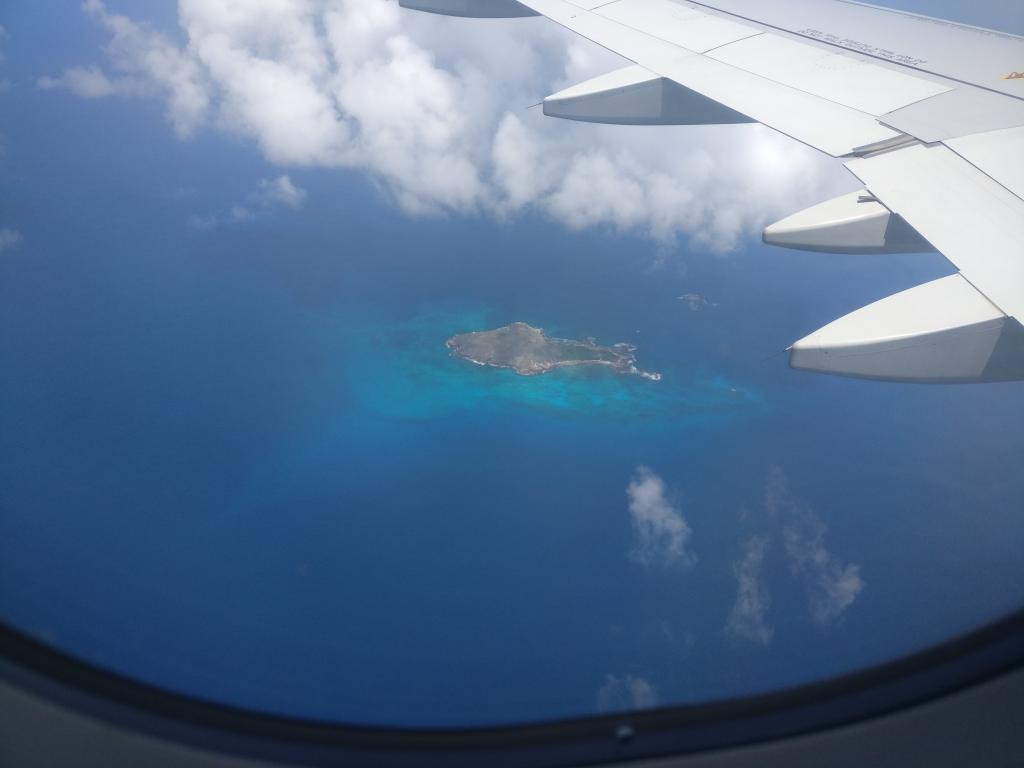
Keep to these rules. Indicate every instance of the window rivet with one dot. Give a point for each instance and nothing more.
(625, 733)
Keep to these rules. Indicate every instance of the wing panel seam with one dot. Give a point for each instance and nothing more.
(822, 43)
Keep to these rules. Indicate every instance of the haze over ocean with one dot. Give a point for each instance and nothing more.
(237, 460)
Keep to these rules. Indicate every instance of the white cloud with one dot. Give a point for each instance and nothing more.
(831, 586)
(748, 619)
(661, 535)
(269, 194)
(241, 214)
(90, 83)
(9, 239)
(619, 694)
(434, 110)
(279, 191)
(520, 173)
(147, 63)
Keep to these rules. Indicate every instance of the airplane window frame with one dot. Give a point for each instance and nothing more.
(956, 664)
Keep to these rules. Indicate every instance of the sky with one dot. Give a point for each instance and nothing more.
(236, 461)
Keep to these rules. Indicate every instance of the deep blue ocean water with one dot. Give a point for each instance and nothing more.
(241, 464)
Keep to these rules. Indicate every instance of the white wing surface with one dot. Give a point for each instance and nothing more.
(928, 114)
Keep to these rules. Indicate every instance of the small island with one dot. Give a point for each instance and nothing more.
(528, 352)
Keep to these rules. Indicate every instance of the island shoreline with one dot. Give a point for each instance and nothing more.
(530, 352)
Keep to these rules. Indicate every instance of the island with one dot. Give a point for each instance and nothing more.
(528, 351)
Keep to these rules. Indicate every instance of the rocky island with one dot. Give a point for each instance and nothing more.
(528, 351)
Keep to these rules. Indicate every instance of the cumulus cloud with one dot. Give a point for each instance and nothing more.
(433, 109)
(748, 619)
(279, 191)
(619, 694)
(145, 63)
(9, 239)
(91, 83)
(831, 585)
(520, 173)
(661, 534)
(268, 195)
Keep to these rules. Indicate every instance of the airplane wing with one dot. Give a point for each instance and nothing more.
(928, 114)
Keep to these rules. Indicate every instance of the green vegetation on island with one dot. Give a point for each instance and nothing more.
(528, 351)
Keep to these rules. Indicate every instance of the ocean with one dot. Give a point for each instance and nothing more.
(239, 462)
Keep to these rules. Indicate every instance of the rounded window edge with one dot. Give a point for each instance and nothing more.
(959, 663)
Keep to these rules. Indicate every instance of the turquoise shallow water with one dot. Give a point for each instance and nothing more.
(403, 370)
